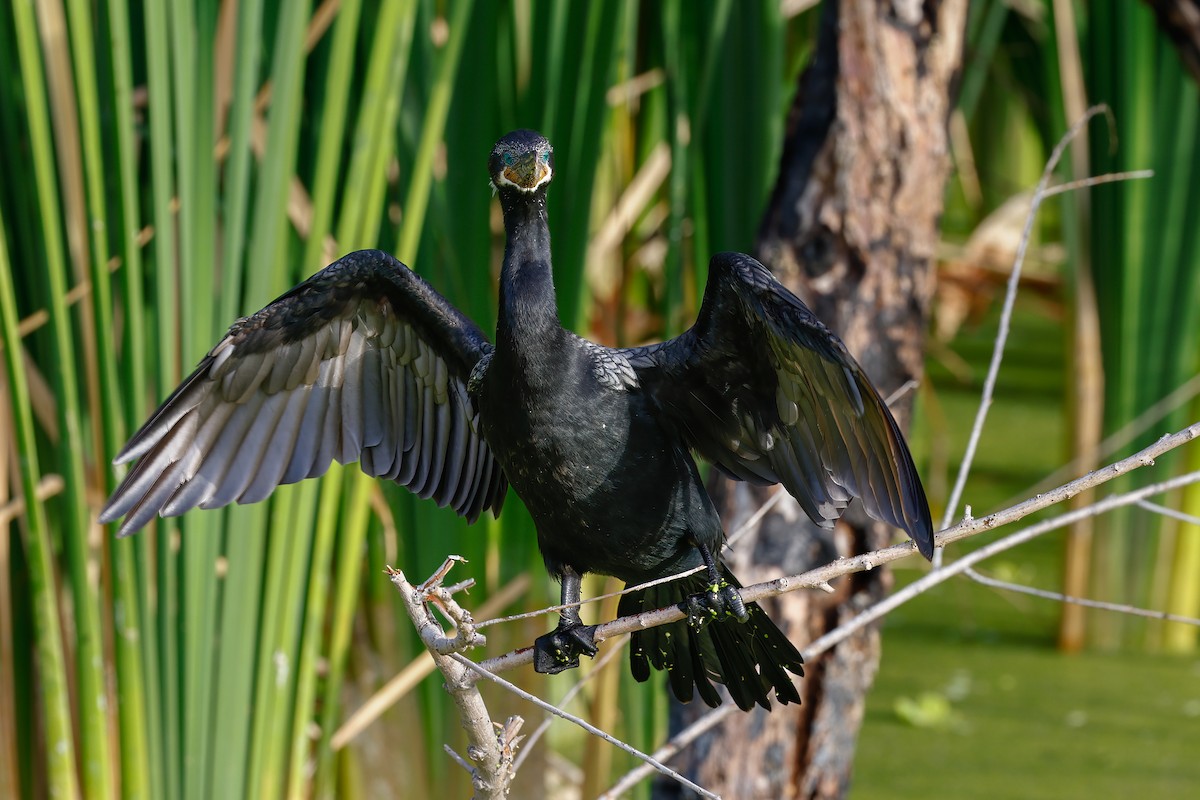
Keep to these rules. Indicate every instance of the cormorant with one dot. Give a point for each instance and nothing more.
(365, 361)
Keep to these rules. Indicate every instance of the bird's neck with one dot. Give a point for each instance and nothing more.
(527, 301)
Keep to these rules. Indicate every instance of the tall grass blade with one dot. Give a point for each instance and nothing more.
(192, 30)
(417, 199)
(1146, 279)
(307, 667)
(236, 195)
(240, 634)
(140, 756)
(53, 699)
(372, 144)
(96, 761)
(290, 533)
(339, 80)
(355, 490)
(584, 140)
(287, 561)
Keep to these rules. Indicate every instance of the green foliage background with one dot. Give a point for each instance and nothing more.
(167, 167)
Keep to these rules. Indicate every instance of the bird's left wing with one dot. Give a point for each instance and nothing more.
(763, 390)
(364, 361)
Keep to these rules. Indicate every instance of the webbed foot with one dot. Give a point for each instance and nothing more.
(721, 600)
(560, 649)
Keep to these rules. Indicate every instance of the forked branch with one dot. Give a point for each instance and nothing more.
(492, 747)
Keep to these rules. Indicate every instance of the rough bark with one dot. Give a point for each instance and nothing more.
(852, 229)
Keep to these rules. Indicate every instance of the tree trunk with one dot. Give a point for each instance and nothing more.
(852, 229)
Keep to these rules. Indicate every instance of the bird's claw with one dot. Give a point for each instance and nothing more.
(560, 648)
(721, 600)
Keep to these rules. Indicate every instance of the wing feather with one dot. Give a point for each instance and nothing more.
(241, 462)
(281, 447)
(308, 438)
(221, 434)
(441, 440)
(352, 380)
(464, 494)
(455, 453)
(373, 396)
(762, 389)
(362, 362)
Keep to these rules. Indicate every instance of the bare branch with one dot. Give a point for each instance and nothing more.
(1190, 519)
(965, 529)
(602, 662)
(1099, 180)
(1120, 608)
(1128, 432)
(989, 384)
(677, 742)
(745, 527)
(935, 577)
(714, 717)
(491, 754)
(401, 684)
(587, 726)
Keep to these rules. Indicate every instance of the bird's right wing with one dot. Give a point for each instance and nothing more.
(364, 362)
(763, 390)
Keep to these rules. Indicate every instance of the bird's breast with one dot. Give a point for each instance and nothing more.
(553, 427)
(596, 470)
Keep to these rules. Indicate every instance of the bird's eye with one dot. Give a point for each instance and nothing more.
(546, 157)
(508, 159)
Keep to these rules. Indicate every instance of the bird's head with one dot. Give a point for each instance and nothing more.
(521, 160)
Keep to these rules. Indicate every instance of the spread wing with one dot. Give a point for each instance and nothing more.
(363, 362)
(763, 390)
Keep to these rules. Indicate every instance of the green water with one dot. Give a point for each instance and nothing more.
(1023, 720)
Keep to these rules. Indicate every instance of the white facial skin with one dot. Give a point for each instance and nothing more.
(517, 172)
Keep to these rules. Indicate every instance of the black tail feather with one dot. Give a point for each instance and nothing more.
(751, 658)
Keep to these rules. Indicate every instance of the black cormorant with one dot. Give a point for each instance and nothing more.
(365, 362)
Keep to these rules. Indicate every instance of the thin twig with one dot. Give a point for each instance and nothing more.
(1098, 180)
(989, 384)
(960, 565)
(1121, 608)
(756, 517)
(600, 664)
(587, 726)
(904, 389)
(677, 742)
(462, 762)
(583, 602)
(1046, 594)
(1191, 519)
(1128, 432)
